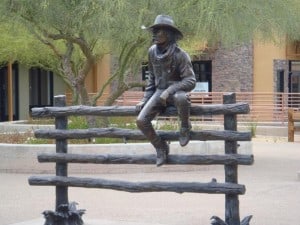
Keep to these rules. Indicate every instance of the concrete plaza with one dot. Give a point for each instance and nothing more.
(272, 194)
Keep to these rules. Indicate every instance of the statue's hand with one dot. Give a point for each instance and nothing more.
(163, 97)
(139, 106)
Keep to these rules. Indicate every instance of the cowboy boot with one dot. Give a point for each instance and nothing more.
(161, 146)
(184, 133)
(184, 136)
(162, 151)
(183, 105)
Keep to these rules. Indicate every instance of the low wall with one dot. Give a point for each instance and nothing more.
(21, 126)
(17, 158)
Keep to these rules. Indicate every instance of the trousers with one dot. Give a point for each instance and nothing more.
(154, 106)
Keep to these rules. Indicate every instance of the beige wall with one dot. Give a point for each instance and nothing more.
(23, 93)
(97, 77)
(98, 74)
(59, 86)
(264, 54)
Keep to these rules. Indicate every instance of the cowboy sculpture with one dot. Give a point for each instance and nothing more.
(171, 76)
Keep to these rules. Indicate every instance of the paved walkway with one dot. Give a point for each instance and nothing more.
(272, 196)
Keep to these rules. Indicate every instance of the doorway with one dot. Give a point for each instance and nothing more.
(294, 76)
(40, 88)
(294, 83)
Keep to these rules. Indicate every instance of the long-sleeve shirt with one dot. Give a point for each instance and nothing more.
(172, 71)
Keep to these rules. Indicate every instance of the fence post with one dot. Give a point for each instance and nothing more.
(232, 215)
(61, 122)
(291, 131)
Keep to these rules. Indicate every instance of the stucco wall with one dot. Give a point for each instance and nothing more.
(264, 56)
(98, 76)
(59, 86)
(23, 93)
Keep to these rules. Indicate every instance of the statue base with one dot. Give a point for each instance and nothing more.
(66, 214)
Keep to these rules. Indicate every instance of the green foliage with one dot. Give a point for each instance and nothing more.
(252, 126)
(77, 122)
(42, 121)
(170, 123)
(69, 36)
(118, 122)
(38, 141)
(80, 122)
(118, 21)
(123, 122)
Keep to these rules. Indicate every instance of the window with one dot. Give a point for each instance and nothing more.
(280, 81)
(40, 88)
(294, 76)
(203, 71)
(295, 82)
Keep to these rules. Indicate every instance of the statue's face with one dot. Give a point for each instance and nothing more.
(160, 36)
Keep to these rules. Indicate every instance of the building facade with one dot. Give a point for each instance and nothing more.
(22, 88)
(255, 67)
(28, 87)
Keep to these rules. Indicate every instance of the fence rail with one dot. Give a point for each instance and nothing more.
(155, 186)
(264, 106)
(231, 159)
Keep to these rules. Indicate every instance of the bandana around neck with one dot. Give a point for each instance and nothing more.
(170, 50)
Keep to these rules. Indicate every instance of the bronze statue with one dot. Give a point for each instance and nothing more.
(171, 76)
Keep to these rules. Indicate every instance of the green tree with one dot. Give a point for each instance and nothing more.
(75, 35)
(69, 36)
(232, 22)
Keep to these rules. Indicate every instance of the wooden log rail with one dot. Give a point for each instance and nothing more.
(178, 187)
(196, 110)
(137, 135)
(231, 159)
(293, 117)
(146, 159)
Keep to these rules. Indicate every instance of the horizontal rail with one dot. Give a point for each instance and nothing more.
(178, 187)
(237, 108)
(227, 159)
(138, 135)
(274, 105)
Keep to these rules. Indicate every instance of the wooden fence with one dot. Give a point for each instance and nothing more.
(264, 106)
(231, 159)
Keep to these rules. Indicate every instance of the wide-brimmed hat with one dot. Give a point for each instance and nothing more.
(167, 22)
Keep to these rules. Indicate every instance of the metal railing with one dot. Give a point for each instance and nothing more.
(264, 106)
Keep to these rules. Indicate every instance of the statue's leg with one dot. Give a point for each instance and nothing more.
(183, 104)
(149, 111)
